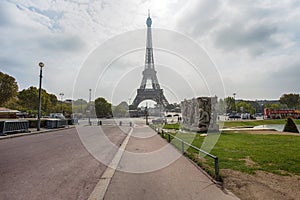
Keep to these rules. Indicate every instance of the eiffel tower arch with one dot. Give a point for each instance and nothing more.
(154, 93)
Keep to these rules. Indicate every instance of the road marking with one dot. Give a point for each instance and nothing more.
(101, 187)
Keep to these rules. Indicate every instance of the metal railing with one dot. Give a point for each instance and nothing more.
(12, 126)
(56, 123)
(183, 143)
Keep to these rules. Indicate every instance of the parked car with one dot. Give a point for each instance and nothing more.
(158, 121)
(57, 115)
(234, 116)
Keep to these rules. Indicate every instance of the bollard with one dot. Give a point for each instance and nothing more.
(162, 133)
(169, 138)
(217, 169)
(130, 123)
(182, 147)
(120, 123)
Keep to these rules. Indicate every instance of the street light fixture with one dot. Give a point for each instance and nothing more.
(61, 100)
(90, 94)
(41, 65)
(234, 101)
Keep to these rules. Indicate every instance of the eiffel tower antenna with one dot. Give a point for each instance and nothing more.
(154, 93)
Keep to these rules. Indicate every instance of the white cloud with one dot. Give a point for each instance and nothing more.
(253, 43)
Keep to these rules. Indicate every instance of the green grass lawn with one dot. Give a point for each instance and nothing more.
(279, 154)
(172, 126)
(240, 123)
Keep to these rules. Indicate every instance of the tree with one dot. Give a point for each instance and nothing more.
(230, 104)
(103, 108)
(8, 88)
(121, 109)
(272, 106)
(245, 107)
(291, 100)
(79, 107)
(28, 100)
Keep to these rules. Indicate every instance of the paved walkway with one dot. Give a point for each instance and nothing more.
(149, 169)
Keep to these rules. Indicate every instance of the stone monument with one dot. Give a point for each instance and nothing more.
(200, 114)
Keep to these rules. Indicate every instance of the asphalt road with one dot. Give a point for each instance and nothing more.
(52, 165)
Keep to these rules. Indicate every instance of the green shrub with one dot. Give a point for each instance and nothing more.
(290, 126)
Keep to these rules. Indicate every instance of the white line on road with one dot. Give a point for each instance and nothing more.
(101, 187)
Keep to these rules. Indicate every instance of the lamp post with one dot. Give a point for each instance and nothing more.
(234, 101)
(61, 98)
(146, 115)
(41, 65)
(90, 90)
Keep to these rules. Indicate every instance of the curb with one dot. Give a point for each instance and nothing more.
(100, 189)
(33, 133)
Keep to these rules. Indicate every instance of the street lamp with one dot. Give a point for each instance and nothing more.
(234, 101)
(90, 90)
(41, 65)
(61, 98)
(146, 115)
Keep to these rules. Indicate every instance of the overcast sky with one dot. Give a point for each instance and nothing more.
(254, 46)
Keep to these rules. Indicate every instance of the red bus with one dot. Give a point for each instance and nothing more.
(281, 114)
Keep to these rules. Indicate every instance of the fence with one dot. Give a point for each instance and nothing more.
(55, 123)
(13, 126)
(182, 146)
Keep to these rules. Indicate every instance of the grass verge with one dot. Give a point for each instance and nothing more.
(278, 154)
(240, 123)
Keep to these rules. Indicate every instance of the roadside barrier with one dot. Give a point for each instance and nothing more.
(170, 137)
(13, 126)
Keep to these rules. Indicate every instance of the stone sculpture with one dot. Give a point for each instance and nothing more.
(199, 114)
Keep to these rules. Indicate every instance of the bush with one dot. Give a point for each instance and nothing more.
(290, 126)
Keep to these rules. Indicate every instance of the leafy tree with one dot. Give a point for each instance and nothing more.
(102, 107)
(291, 100)
(80, 106)
(53, 99)
(121, 109)
(8, 88)
(230, 104)
(272, 106)
(28, 100)
(247, 107)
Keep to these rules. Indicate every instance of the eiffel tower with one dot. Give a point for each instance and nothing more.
(154, 93)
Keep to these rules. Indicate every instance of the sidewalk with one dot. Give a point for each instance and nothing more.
(149, 169)
(32, 131)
